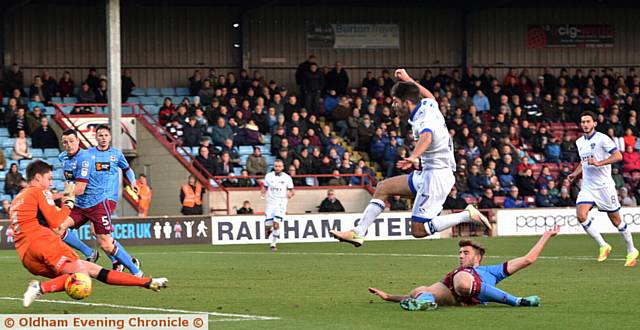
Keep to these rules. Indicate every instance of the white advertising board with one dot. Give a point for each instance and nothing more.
(305, 228)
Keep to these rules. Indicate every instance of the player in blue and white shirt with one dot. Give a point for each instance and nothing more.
(597, 153)
(431, 182)
(108, 162)
(471, 283)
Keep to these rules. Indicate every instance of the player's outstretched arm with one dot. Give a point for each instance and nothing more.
(402, 75)
(517, 264)
(423, 144)
(387, 297)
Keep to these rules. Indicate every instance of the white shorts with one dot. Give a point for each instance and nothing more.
(605, 199)
(274, 212)
(431, 188)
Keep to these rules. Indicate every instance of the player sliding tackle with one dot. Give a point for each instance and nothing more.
(432, 156)
(470, 283)
(36, 223)
(597, 153)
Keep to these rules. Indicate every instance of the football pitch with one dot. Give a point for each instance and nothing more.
(324, 286)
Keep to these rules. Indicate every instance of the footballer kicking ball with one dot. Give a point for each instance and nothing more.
(78, 286)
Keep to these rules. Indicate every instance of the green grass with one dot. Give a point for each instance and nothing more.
(325, 285)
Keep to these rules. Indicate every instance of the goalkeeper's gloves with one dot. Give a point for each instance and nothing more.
(69, 196)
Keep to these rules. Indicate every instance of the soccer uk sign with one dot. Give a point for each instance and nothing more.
(309, 228)
(521, 222)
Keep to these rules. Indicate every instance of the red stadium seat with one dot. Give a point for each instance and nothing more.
(530, 200)
(571, 126)
(499, 200)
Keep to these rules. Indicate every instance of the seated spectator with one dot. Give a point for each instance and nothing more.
(86, 94)
(245, 209)
(297, 180)
(192, 133)
(540, 139)
(244, 181)
(454, 201)
(233, 152)
(18, 122)
(285, 156)
(544, 177)
(474, 181)
(568, 150)
(249, 135)
(336, 179)
(208, 161)
(626, 199)
(66, 85)
(81, 111)
(101, 92)
(4, 212)
(481, 102)
(358, 178)
(378, 145)
(36, 101)
(366, 130)
(514, 200)
(166, 111)
(330, 203)
(221, 132)
(554, 192)
(565, 199)
(14, 181)
(44, 137)
(206, 92)
(257, 163)
(526, 183)
(487, 200)
(294, 137)
(506, 178)
(542, 197)
(175, 129)
(618, 178)
(389, 157)
(397, 203)
(21, 147)
(3, 161)
(225, 167)
(33, 119)
(552, 151)
(631, 159)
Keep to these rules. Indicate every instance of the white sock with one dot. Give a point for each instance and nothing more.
(443, 222)
(371, 212)
(622, 228)
(593, 232)
(274, 236)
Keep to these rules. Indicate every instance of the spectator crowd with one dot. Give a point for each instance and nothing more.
(513, 135)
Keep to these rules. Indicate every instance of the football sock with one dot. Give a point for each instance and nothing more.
(443, 222)
(626, 235)
(54, 284)
(124, 279)
(426, 296)
(274, 236)
(371, 212)
(72, 239)
(123, 256)
(591, 230)
(493, 294)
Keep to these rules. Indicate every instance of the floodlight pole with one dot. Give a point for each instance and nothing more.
(114, 70)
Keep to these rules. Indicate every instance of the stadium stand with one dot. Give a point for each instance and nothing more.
(517, 121)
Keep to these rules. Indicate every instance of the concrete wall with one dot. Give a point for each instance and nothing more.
(164, 173)
(304, 200)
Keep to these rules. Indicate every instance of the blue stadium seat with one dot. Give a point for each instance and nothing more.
(265, 149)
(310, 181)
(51, 152)
(213, 183)
(138, 92)
(243, 159)
(148, 100)
(237, 171)
(58, 185)
(54, 161)
(7, 153)
(270, 159)
(153, 91)
(152, 109)
(245, 150)
(182, 91)
(8, 142)
(37, 153)
(76, 90)
(56, 99)
(167, 91)
(133, 99)
(26, 90)
(70, 100)
(23, 164)
(160, 100)
(49, 110)
(267, 139)
(58, 174)
(3, 174)
(67, 109)
(4, 132)
(5, 100)
(194, 150)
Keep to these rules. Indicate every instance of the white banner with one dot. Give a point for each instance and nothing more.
(87, 125)
(306, 228)
(345, 36)
(520, 222)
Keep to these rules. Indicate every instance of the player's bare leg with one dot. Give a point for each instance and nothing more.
(632, 252)
(582, 213)
(420, 298)
(36, 289)
(397, 185)
(275, 235)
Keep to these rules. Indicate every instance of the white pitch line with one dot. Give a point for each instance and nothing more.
(235, 317)
(413, 255)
